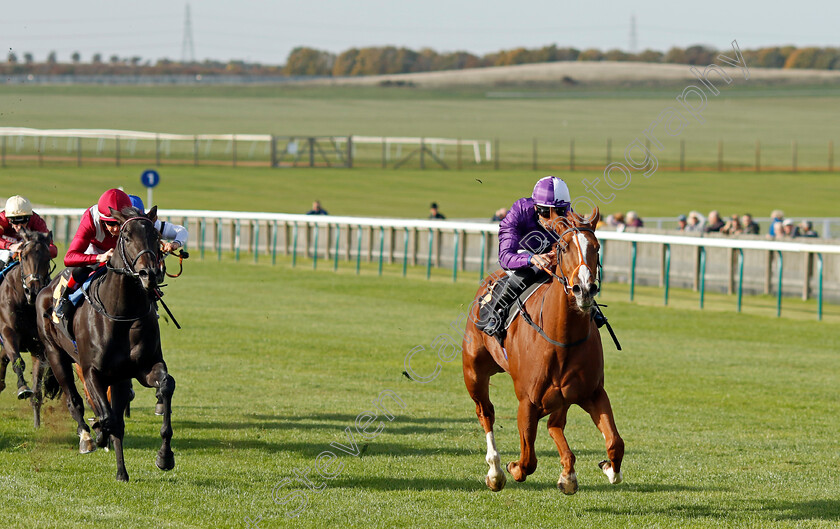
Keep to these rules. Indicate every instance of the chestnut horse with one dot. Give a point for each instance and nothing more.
(555, 359)
(18, 331)
(117, 338)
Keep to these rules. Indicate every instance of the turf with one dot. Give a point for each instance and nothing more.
(739, 116)
(407, 193)
(730, 420)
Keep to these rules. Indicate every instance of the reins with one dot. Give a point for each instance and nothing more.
(33, 277)
(128, 270)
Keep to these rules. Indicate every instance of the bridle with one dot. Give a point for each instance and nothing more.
(129, 264)
(562, 278)
(129, 270)
(28, 279)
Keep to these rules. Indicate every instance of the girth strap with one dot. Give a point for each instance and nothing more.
(541, 332)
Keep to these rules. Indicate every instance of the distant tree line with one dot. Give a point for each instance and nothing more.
(134, 65)
(392, 60)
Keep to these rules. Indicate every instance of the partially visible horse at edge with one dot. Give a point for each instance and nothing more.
(117, 338)
(18, 330)
(553, 366)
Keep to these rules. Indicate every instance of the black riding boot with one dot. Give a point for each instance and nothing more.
(514, 286)
(64, 309)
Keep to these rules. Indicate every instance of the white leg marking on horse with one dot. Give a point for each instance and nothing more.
(496, 475)
(611, 475)
(86, 444)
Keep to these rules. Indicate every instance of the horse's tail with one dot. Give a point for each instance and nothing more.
(52, 389)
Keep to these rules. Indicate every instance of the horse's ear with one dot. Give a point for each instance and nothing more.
(590, 221)
(595, 218)
(117, 215)
(152, 214)
(50, 237)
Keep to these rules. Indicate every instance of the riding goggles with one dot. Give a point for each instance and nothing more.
(545, 211)
(19, 220)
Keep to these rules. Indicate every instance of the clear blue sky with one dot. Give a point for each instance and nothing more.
(265, 30)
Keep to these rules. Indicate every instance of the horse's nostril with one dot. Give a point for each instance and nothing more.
(576, 289)
(593, 289)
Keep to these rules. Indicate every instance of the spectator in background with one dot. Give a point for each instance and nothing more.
(500, 215)
(434, 213)
(775, 222)
(696, 221)
(616, 220)
(715, 224)
(806, 229)
(317, 209)
(682, 223)
(633, 220)
(749, 225)
(788, 230)
(732, 226)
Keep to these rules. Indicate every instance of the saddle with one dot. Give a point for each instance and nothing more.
(77, 297)
(490, 302)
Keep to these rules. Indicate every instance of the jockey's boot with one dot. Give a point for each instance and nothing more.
(514, 286)
(64, 309)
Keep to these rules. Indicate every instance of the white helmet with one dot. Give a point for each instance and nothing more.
(18, 206)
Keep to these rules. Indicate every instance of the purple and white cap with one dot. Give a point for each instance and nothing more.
(551, 191)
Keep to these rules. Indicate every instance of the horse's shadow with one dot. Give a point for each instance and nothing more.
(777, 510)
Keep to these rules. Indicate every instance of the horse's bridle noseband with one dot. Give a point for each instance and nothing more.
(129, 269)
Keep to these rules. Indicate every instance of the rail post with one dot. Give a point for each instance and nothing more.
(405, 252)
(256, 241)
(219, 234)
(740, 277)
(237, 239)
(381, 247)
(633, 272)
(779, 293)
(358, 249)
(337, 244)
(702, 275)
(820, 287)
(429, 261)
(274, 244)
(317, 229)
(456, 240)
(294, 243)
(667, 278)
(201, 227)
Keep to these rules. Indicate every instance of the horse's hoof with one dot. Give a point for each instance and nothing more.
(159, 409)
(495, 483)
(516, 472)
(122, 476)
(86, 446)
(607, 468)
(24, 393)
(568, 485)
(166, 462)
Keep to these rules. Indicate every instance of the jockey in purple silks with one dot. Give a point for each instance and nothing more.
(525, 243)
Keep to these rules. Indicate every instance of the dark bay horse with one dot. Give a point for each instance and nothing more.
(18, 330)
(552, 369)
(117, 338)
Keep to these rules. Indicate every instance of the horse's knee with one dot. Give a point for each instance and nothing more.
(167, 386)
